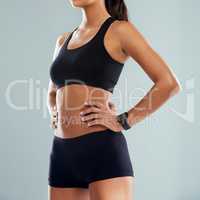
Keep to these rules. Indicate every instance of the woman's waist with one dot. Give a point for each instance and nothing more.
(71, 118)
(70, 102)
(72, 97)
(70, 124)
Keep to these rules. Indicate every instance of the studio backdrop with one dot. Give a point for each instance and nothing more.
(164, 148)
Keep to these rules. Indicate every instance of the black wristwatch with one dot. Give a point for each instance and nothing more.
(122, 119)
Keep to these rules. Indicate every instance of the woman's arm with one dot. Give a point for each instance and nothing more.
(133, 45)
(51, 98)
(51, 93)
(165, 83)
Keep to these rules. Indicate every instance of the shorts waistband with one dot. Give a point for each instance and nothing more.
(89, 135)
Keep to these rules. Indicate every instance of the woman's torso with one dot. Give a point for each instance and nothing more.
(84, 73)
(70, 102)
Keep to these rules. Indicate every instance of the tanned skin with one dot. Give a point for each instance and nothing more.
(69, 104)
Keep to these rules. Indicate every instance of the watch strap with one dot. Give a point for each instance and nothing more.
(122, 119)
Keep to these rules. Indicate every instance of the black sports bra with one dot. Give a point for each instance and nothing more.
(89, 64)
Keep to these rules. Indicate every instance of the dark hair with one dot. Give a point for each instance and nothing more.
(117, 9)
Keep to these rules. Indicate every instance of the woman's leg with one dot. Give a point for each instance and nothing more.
(68, 193)
(119, 188)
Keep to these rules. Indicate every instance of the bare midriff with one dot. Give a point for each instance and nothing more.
(70, 101)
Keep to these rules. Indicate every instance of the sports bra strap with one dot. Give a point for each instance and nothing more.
(106, 25)
(99, 35)
(68, 38)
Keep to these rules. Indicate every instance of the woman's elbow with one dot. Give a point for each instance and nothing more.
(169, 84)
(172, 85)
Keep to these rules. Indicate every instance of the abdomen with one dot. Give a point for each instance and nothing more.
(70, 102)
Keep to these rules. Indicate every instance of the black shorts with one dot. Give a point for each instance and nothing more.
(78, 161)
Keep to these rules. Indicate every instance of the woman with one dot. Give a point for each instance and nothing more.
(89, 157)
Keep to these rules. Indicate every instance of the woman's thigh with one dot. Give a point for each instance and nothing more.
(68, 193)
(119, 188)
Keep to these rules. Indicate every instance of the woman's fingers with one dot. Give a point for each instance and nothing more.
(54, 118)
(97, 110)
(53, 123)
(102, 107)
(97, 122)
(92, 116)
(91, 109)
(54, 113)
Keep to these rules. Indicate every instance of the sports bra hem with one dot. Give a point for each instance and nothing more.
(85, 84)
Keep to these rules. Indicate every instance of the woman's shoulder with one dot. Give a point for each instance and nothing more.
(123, 28)
(120, 26)
(61, 38)
(127, 33)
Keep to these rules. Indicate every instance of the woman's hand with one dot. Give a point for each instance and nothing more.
(54, 119)
(97, 113)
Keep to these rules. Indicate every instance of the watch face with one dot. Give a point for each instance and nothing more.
(123, 120)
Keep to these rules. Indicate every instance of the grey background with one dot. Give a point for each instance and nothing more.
(164, 148)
